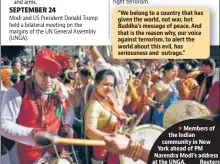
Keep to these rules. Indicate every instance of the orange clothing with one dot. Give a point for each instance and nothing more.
(185, 87)
(6, 76)
(194, 74)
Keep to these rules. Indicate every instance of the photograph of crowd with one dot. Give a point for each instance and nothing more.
(82, 92)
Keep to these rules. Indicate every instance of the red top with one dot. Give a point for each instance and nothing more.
(213, 101)
(31, 116)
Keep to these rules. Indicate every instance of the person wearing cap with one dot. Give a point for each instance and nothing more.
(36, 105)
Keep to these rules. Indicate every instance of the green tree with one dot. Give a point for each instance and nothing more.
(12, 51)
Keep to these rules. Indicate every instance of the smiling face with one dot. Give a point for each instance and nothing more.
(106, 86)
(172, 73)
(147, 75)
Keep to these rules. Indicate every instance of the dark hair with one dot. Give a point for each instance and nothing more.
(67, 76)
(22, 77)
(6, 62)
(75, 57)
(85, 72)
(131, 66)
(194, 63)
(79, 64)
(105, 72)
(185, 66)
(23, 65)
(209, 62)
(14, 78)
(14, 62)
(167, 67)
(86, 60)
(30, 71)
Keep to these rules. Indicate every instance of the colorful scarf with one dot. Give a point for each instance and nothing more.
(64, 102)
(109, 104)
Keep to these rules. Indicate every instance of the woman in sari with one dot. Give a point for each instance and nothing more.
(146, 78)
(164, 92)
(102, 115)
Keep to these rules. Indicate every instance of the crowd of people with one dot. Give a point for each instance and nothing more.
(93, 98)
